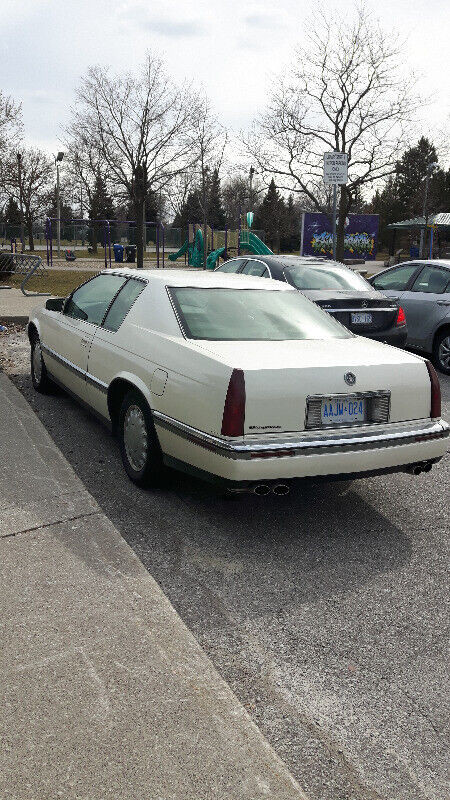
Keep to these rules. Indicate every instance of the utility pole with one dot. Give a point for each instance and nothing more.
(205, 171)
(430, 167)
(22, 225)
(58, 159)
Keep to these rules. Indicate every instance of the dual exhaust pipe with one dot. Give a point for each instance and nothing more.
(417, 469)
(263, 489)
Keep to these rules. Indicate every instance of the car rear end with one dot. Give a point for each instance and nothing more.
(313, 400)
(366, 314)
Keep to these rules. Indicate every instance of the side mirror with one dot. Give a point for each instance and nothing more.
(55, 303)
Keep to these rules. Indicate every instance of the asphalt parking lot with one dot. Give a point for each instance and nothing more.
(326, 610)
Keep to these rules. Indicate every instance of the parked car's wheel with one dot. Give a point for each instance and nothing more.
(441, 351)
(39, 376)
(139, 445)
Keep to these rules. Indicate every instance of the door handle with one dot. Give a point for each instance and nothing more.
(84, 342)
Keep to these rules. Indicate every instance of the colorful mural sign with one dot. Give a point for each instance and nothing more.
(361, 236)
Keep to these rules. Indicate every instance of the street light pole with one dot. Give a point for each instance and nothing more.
(251, 173)
(58, 158)
(430, 168)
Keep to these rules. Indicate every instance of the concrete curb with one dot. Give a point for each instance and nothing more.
(105, 690)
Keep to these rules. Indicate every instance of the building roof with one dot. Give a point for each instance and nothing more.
(439, 220)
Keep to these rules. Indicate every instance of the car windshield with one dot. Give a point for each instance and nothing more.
(326, 277)
(218, 314)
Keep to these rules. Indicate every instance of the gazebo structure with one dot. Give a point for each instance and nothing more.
(439, 239)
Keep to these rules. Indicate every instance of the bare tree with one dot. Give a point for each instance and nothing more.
(26, 176)
(346, 93)
(140, 126)
(208, 144)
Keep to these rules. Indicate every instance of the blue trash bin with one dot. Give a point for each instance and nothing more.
(118, 253)
(414, 251)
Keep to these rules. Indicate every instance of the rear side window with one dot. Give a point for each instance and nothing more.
(231, 266)
(255, 268)
(91, 300)
(431, 280)
(122, 304)
(396, 279)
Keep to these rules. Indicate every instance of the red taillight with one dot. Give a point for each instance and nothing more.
(435, 410)
(401, 318)
(234, 408)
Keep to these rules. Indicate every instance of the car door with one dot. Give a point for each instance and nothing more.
(69, 333)
(426, 303)
(109, 354)
(257, 268)
(395, 281)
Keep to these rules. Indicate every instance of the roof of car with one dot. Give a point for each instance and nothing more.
(290, 260)
(190, 277)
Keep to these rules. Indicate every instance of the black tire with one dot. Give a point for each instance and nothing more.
(441, 351)
(39, 376)
(139, 446)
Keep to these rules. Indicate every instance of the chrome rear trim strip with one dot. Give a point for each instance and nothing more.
(307, 445)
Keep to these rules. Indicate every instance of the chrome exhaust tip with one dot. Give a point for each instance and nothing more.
(261, 489)
(417, 469)
(281, 489)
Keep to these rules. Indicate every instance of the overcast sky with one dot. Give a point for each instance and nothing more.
(230, 47)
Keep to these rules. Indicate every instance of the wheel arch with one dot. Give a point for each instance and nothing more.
(33, 330)
(117, 390)
(443, 326)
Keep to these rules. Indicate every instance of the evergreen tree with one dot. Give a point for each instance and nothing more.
(11, 213)
(66, 209)
(100, 208)
(191, 211)
(216, 213)
(411, 171)
(272, 217)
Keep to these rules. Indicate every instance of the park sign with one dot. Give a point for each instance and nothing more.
(335, 168)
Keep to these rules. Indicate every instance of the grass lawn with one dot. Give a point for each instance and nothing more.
(57, 282)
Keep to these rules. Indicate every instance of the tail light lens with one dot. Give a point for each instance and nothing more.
(401, 317)
(435, 410)
(234, 408)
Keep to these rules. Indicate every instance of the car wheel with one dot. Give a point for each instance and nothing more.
(139, 445)
(39, 376)
(441, 351)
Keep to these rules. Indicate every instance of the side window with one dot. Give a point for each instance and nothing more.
(396, 279)
(231, 266)
(431, 280)
(91, 300)
(256, 268)
(122, 304)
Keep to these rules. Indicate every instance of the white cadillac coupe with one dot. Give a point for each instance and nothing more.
(235, 379)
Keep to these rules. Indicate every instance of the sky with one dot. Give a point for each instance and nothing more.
(233, 49)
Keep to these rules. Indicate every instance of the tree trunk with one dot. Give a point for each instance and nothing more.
(30, 234)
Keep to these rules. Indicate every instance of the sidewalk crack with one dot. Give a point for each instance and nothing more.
(51, 524)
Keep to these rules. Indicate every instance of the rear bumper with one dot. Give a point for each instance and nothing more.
(394, 336)
(367, 449)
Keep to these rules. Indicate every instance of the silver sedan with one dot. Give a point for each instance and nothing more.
(423, 290)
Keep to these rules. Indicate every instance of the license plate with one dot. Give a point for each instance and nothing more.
(361, 318)
(343, 411)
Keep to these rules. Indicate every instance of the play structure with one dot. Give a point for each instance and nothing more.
(234, 242)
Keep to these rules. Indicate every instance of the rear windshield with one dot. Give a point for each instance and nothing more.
(252, 315)
(326, 277)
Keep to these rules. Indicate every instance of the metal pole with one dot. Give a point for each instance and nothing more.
(109, 242)
(226, 241)
(58, 212)
(157, 246)
(163, 242)
(239, 234)
(334, 219)
(22, 226)
(425, 214)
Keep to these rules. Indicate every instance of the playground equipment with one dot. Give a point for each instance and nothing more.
(104, 231)
(246, 240)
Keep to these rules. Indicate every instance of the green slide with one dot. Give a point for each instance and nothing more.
(181, 251)
(249, 241)
(211, 261)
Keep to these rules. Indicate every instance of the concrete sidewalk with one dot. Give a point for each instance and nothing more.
(105, 692)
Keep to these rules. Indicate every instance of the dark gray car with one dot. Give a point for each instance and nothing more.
(423, 290)
(340, 291)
